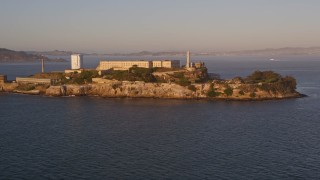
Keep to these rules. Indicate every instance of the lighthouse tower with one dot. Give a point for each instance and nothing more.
(188, 60)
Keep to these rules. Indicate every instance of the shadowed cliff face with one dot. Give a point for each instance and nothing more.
(124, 89)
(137, 89)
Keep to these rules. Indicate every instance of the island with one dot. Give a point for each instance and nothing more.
(152, 79)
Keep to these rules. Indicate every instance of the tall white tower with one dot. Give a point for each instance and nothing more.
(76, 61)
(188, 60)
(42, 65)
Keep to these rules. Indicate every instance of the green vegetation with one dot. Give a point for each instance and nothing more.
(85, 77)
(181, 79)
(192, 88)
(263, 77)
(79, 78)
(202, 75)
(283, 85)
(241, 93)
(253, 95)
(272, 82)
(212, 92)
(228, 91)
(133, 74)
(158, 69)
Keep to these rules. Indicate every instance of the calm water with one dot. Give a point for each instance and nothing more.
(98, 138)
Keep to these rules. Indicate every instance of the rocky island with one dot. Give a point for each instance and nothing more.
(160, 83)
(152, 79)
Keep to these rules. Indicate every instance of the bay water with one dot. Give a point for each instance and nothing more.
(109, 138)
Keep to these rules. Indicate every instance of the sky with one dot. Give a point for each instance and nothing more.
(115, 26)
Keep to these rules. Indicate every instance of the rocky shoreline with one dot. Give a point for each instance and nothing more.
(139, 89)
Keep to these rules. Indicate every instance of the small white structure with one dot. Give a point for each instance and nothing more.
(188, 64)
(76, 61)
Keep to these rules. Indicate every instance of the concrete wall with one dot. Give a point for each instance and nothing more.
(21, 80)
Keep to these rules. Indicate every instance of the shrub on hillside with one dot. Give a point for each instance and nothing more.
(228, 91)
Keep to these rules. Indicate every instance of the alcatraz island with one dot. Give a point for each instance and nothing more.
(152, 79)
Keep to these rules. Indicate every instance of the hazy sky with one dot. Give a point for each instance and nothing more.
(158, 25)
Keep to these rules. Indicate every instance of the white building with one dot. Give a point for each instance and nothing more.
(166, 63)
(125, 65)
(76, 61)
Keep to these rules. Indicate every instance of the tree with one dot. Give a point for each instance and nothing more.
(228, 91)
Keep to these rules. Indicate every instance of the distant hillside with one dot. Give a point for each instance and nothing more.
(10, 56)
(7, 55)
(259, 52)
(272, 52)
(52, 53)
(148, 53)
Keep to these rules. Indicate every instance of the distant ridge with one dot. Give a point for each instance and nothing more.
(7, 55)
(258, 52)
(279, 51)
(53, 53)
(148, 53)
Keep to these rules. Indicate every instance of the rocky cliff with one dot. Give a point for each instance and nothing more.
(124, 89)
(113, 88)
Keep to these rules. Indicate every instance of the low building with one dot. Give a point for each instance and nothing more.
(67, 71)
(166, 63)
(123, 65)
(197, 64)
(26, 80)
(3, 79)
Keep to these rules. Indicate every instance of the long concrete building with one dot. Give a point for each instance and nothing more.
(166, 63)
(125, 65)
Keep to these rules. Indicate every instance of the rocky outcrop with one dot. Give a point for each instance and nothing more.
(227, 90)
(124, 89)
(113, 88)
(8, 87)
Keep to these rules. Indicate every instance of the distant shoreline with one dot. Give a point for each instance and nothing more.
(270, 52)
